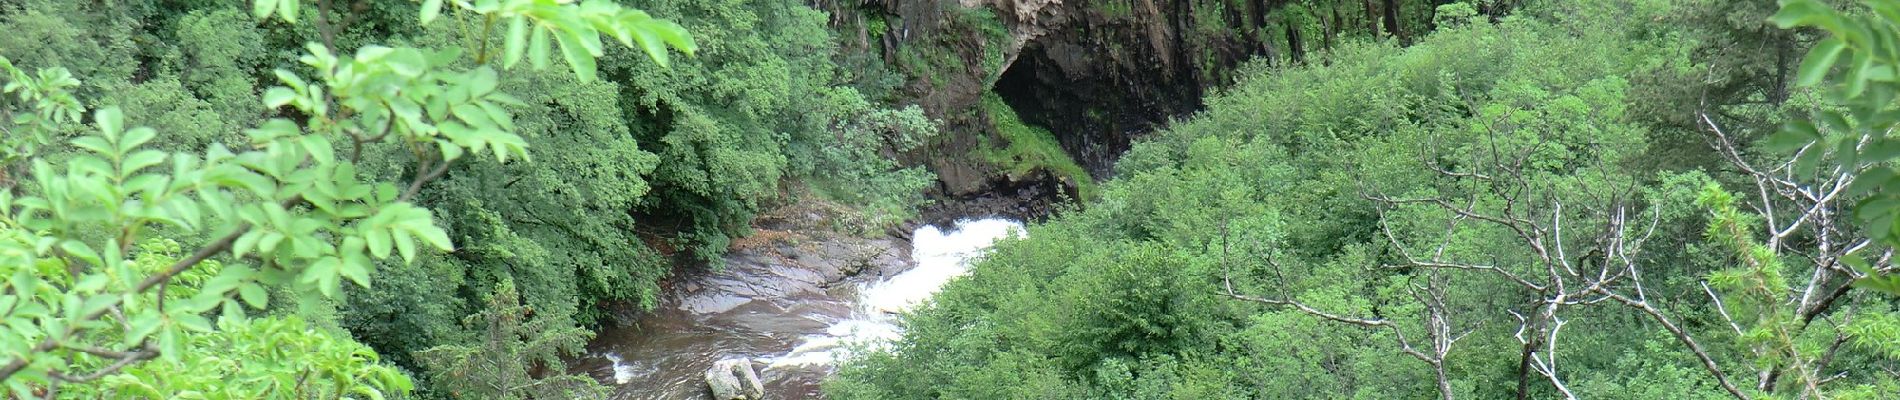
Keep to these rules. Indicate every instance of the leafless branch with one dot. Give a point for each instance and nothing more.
(1720, 308)
(1708, 363)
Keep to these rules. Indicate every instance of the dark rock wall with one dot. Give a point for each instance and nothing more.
(1096, 73)
(1102, 72)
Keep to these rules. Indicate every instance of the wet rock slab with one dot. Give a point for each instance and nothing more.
(768, 295)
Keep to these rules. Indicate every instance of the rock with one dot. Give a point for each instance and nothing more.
(734, 379)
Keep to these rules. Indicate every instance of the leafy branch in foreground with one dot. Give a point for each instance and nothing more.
(532, 25)
(286, 213)
(1856, 74)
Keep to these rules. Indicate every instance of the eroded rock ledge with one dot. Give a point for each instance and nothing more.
(1097, 74)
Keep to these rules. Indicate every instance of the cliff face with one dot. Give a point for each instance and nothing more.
(1099, 73)
(1095, 73)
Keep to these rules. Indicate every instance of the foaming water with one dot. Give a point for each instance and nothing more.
(940, 257)
(794, 315)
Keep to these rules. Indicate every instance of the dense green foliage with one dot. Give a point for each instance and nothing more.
(1558, 203)
(294, 147)
(1028, 149)
(439, 198)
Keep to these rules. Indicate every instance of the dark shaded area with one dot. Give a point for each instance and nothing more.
(1094, 119)
(1033, 200)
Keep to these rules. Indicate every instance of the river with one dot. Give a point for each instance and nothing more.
(793, 309)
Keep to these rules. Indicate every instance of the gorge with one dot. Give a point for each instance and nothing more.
(961, 199)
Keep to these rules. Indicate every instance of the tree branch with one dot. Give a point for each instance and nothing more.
(1708, 363)
(182, 265)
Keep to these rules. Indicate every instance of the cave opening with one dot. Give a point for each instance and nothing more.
(1096, 101)
(1077, 108)
(1020, 88)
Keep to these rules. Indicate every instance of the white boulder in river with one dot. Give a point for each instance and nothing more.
(734, 379)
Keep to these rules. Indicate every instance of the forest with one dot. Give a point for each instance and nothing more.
(1267, 199)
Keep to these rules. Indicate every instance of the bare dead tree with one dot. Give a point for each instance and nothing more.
(1437, 323)
(1804, 215)
(1439, 336)
(1547, 218)
(1577, 242)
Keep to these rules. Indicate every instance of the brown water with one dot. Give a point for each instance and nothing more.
(790, 307)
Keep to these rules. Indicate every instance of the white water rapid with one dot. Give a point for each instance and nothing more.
(789, 307)
(940, 257)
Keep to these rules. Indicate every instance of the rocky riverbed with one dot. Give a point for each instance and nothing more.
(791, 301)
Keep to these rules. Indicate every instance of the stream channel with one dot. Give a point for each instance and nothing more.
(793, 307)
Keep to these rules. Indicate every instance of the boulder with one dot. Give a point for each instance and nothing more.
(734, 379)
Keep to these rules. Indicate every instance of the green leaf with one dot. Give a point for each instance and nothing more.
(97, 303)
(94, 144)
(79, 249)
(319, 148)
(227, 280)
(487, 6)
(143, 159)
(1803, 128)
(288, 10)
(1786, 141)
(435, 236)
(1801, 13)
(142, 326)
(261, 9)
(254, 294)
(1837, 121)
(651, 43)
(193, 322)
(378, 240)
(1819, 61)
(91, 283)
(385, 192)
(245, 243)
(1874, 179)
(500, 116)
(517, 42)
(538, 49)
(1859, 75)
(473, 115)
(430, 9)
(278, 96)
(577, 56)
(291, 78)
(675, 35)
(269, 241)
(450, 150)
(324, 274)
(1844, 152)
(405, 245)
(356, 272)
(407, 62)
(407, 110)
(1881, 150)
(231, 311)
(482, 81)
(137, 137)
(1809, 160)
(505, 144)
(109, 120)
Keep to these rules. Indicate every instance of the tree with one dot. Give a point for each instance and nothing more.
(288, 213)
(518, 356)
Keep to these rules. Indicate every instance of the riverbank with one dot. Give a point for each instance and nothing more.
(791, 301)
(784, 282)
